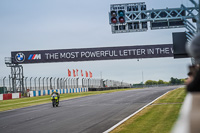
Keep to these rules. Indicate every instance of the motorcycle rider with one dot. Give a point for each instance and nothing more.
(58, 95)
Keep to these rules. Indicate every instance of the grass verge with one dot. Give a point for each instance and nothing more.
(159, 117)
(30, 101)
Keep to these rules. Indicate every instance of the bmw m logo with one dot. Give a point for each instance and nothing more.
(34, 57)
(20, 57)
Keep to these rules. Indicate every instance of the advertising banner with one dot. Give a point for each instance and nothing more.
(91, 54)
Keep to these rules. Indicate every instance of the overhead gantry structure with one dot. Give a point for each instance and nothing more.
(134, 17)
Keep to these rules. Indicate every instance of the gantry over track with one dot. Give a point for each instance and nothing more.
(134, 17)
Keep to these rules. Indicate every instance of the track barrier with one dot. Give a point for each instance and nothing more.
(42, 93)
(60, 91)
(10, 96)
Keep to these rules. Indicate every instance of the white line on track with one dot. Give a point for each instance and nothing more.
(119, 123)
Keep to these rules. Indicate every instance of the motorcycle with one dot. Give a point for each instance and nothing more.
(54, 99)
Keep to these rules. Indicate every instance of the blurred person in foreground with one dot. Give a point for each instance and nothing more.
(193, 49)
(189, 116)
(193, 85)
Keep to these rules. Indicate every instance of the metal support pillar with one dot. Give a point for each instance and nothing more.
(17, 75)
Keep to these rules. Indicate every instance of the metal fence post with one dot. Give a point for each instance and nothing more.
(10, 83)
(57, 83)
(88, 82)
(30, 83)
(47, 82)
(60, 83)
(4, 81)
(82, 81)
(35, 82)
(51, 83)
(43, 82)
(77, 82)
(39, 82)
(26, 83)
(66, 82)
(69, 82)
(54, 82)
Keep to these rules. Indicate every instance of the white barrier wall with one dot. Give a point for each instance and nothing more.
(42, 93)
(15, 95)
(1, 96)
(10, 96)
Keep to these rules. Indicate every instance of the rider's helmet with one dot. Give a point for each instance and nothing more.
(54, 91)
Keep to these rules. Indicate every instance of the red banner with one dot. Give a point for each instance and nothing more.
(82, 73)
(69, 73)
(90, 74)
(74, 73)
(86, 73)
(77, 72)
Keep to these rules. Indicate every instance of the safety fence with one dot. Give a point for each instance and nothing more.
(50, 83)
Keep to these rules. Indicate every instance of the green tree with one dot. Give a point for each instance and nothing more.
(161, 82)
(172, 80)
(155, 82)
(182, 81)
(148, 82)
(176, 81)
(166, 82)
(151, 82)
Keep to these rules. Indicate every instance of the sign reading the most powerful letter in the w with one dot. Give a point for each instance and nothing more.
(91, 54)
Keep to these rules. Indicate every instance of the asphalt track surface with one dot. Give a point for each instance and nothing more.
(90, 114)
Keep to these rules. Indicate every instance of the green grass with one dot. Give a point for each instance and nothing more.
(30, 101)
(156, 118)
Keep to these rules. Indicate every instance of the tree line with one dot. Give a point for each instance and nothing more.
(173, 81)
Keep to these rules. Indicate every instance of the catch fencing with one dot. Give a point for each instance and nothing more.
(56, 83)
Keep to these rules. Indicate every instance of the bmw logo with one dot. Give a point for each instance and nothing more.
(20, 57)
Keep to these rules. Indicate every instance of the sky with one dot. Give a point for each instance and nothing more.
(62, 24)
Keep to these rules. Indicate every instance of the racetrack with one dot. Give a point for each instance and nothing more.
(90, 114)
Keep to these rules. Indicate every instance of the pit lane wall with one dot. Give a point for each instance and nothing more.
(60, 91)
